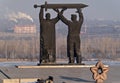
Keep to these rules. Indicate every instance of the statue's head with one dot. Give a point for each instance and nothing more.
(73, 17)
(47, 16)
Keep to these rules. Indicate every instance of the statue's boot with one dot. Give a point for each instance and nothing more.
(79, 59)
(71, 60)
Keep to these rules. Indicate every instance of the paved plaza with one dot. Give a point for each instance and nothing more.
(60, 74)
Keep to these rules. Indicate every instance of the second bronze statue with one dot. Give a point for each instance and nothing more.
(73, 37)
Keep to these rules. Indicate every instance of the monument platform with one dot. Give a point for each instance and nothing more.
(60, 73)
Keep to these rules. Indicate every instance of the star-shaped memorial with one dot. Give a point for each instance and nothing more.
(99, 72)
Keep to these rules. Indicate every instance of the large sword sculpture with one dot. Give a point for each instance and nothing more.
(49, 6)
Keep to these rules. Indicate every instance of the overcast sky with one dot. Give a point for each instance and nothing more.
(98, 9)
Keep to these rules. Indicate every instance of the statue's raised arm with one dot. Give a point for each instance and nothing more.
(56, 19)
(56, 10)
(81, 18)
(41, 14)
(65, 20)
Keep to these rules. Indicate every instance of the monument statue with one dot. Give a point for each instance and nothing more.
(47, 37)
(73, 38)
(47, 32)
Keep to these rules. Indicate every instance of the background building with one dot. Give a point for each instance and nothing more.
(25, 29)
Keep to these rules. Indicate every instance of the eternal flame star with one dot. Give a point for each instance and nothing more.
(99, 72)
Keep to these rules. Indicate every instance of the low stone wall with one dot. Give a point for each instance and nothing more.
(58, 66)
(19, 80)
(11, 81)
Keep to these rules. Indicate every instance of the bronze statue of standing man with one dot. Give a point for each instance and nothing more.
(47, 37)
(73, 38)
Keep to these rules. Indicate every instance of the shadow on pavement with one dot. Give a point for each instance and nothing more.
(76, 79)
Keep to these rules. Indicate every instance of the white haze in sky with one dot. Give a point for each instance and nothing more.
(19, 15)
